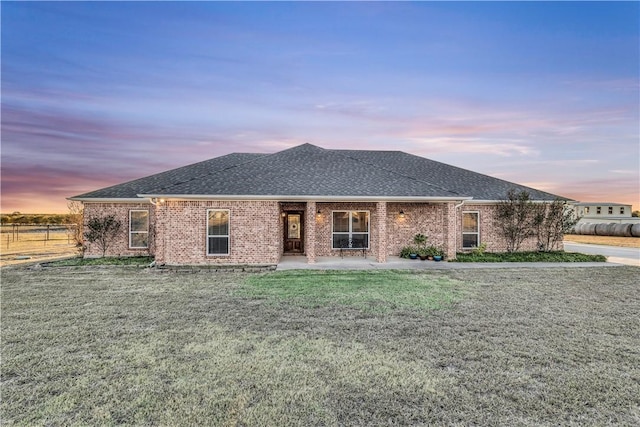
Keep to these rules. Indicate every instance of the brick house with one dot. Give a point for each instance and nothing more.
(255, 208)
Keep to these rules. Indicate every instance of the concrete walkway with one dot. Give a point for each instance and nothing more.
(397, 263)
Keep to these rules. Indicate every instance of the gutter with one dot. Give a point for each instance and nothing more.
(301, 198)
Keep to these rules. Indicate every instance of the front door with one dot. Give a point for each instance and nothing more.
(293, 233)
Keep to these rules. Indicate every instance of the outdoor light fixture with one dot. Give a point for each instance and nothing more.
(318, 213)
(283, 214)
(401, 214)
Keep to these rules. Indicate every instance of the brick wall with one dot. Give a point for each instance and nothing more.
(429, 219)
(120, 245)
(323, 224)
(255, 229)
(489, 231)
(178, 229)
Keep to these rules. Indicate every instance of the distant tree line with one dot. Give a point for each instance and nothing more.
(20, 218)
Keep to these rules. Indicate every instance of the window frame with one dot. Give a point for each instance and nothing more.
(350, 232)
(463, 233)
(131, 232)
(622, 210)
(228, 235)
(610, 210)
(598, 210)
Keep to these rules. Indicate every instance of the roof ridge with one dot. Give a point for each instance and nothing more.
(218, 171)
(210, 173)
(393, 171)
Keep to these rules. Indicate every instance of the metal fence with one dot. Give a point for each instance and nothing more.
(11, 233)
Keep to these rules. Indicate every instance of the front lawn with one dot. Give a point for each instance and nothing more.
(368, 291)
(122, 346)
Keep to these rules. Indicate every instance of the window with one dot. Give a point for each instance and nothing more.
(621, 211)
(586, 210)
(598, 210)
(217, 232)
(350, 229)
(470, 229)
(139, 229)
(610, 210)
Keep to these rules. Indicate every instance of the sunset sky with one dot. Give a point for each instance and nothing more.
(542, 94)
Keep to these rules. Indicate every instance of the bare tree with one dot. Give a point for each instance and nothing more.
(102, 231)
(75, 223)
(515, 218)
(551, 222)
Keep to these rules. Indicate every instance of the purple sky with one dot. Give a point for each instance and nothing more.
(543, 94)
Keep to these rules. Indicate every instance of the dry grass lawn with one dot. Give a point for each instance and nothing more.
(35, 246)
(131, 346)
(625, 242)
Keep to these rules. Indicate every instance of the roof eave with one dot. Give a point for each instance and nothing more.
(306, 198)
(110, 199)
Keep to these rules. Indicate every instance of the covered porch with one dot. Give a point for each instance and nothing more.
(367, 231)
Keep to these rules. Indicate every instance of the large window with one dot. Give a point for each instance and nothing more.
(350, 229)
(139, 229)
(470, 230)
(217, 232)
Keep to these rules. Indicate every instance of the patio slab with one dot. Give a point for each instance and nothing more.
(397, 263)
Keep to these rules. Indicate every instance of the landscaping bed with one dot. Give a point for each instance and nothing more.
(558, 256)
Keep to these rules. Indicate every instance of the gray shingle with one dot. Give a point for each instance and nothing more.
(307, 170)
(171, 177)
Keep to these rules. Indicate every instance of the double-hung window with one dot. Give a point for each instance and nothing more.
(470, 230)
(139, 229)
(350, 229)
(217, 232)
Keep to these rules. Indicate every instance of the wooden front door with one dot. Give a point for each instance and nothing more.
(294, 233)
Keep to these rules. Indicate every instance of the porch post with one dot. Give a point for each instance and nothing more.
(161, 214)
(310, 232)
(381, 226)
(450, 237)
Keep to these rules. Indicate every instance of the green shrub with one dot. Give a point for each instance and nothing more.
(557, 256)
(404, 253)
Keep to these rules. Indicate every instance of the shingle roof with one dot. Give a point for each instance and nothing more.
(131, 189)
(461, 181)
(307, 170)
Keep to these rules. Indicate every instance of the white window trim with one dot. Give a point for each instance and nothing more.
(131, 232)
(228, 236)
(469, 232)
(350, 232)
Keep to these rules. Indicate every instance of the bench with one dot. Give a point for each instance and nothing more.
(353, 245)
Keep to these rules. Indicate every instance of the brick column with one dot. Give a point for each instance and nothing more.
(310, 232)
(381, 226)
(449, 222)
(159, 239)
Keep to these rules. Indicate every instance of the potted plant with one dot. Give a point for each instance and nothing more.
(410, 252)
(438, 254)
(421, 244)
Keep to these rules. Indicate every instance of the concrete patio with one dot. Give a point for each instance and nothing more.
(397, 263)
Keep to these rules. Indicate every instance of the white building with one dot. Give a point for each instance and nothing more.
(603, 212)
